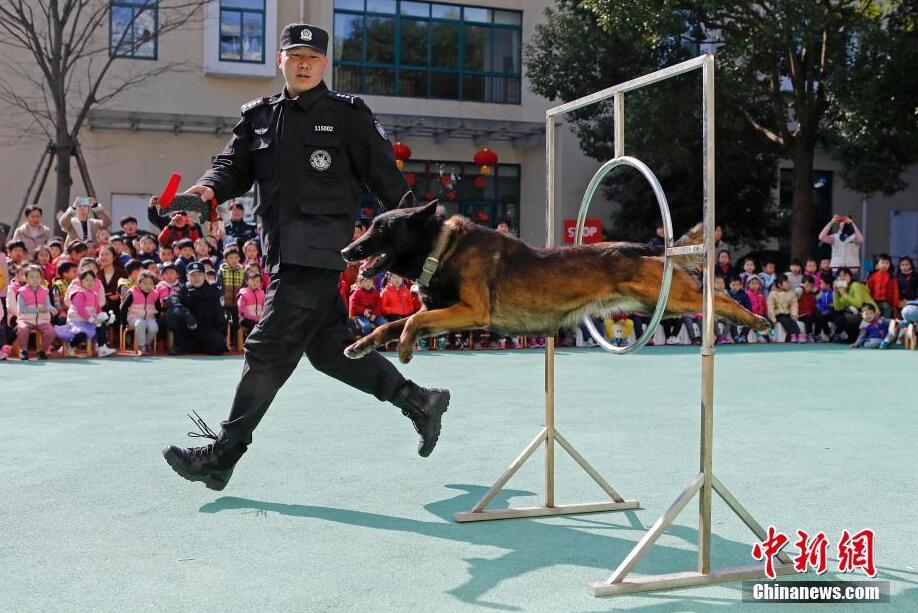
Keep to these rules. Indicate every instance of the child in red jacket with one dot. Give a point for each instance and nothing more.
(884, 287)
(397, 301)
(365, 307)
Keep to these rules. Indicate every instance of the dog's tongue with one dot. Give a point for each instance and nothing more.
(369, 265)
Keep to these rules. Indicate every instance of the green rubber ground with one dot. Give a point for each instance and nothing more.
(332, 510)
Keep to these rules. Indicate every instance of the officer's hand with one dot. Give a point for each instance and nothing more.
(204, 192)
(154, 200)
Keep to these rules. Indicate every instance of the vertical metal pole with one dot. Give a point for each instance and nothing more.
(550, 342)
(707, 333)
(618, 119)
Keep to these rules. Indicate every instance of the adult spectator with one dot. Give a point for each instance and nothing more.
(163, 218)
(908, 281)
(846, 240)
(237, 229)
(32, 233)
(83, 219)
(180, 227)
(130, 231)
(848, 298)
(195, 315)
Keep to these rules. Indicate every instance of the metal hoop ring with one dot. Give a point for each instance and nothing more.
(641, 167)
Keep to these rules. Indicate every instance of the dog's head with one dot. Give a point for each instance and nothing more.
(398, 240)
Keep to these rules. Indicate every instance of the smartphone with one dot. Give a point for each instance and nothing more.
(85, 201)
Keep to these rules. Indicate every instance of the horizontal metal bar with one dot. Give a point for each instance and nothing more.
(653, 77)
(685, 250)
(650, 583)
(561, 509)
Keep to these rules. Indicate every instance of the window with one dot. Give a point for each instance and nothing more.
(428, 50)
(457, 186)
(132, 29)
(242, 31)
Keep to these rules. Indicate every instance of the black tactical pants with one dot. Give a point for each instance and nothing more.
(304, 314)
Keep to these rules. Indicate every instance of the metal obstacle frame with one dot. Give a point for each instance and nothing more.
(704, 483)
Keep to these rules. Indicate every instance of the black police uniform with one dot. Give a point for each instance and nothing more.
(310, 155)
(199, 306)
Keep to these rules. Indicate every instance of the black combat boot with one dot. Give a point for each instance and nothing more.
(212, 464)
(425, 408)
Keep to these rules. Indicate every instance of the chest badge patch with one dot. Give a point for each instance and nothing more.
(320, 160)
(324, 128)
(381, 130)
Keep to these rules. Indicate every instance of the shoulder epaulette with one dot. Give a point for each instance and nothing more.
(253, 104)
(349, 99)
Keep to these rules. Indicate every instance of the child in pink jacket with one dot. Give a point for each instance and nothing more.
(35, 310)
(84, 314)
(251, 302)
(758, 303)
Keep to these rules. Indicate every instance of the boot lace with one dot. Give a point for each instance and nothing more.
(205, 431)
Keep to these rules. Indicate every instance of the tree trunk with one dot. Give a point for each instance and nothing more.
(63, 150)
(802, 206)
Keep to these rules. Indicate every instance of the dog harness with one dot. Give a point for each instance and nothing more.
(433, 260)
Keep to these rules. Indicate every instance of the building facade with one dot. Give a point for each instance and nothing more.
(445, 79)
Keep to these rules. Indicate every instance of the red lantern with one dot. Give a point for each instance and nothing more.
(445, 180)
(451, 195)
(480, 182)
(428, 196)
(410, 179)
(402, 153)
(486, 159)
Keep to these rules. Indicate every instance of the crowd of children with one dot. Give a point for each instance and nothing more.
(197, 288)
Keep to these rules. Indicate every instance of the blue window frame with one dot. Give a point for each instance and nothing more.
(132, 27)
(242, 31)
(428, 50)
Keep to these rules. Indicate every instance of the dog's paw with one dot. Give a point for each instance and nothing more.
(405, 353)
(761, 324)
(355, 351)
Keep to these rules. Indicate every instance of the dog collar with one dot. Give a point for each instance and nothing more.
(433, 260)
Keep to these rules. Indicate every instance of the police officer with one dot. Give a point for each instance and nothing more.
(310, 149)
(195, 315)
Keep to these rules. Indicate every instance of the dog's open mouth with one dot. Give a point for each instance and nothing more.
(374, 265)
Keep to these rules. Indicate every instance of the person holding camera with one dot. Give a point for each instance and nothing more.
(846, 240)
(83, 219)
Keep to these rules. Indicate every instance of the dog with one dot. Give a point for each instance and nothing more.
(482, 279)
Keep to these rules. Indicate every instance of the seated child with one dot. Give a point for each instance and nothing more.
(35, 310)
(84, 317)
(231, 278)
(741, 334)
(250, 303)
(884, 287)
(397, 301)
(782, 309)
(364, 307)
(139, 309)
(872, 330)
(758, 303)
(66, 272)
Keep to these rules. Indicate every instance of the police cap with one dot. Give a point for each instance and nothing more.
(304, 35)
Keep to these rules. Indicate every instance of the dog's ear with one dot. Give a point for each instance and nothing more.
(427, 211)
(408, 201)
